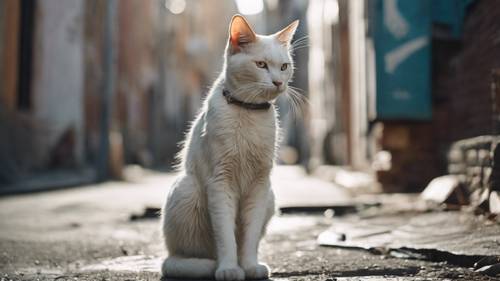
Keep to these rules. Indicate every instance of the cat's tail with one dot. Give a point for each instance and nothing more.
(179, 267)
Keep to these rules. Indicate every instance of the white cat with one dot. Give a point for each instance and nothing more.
(218, 208)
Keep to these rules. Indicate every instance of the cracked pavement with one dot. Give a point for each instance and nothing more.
(86, 233)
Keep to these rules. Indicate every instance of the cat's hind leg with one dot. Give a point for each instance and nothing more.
(187, 232)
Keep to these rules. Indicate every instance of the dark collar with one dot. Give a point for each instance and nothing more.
(254, 106)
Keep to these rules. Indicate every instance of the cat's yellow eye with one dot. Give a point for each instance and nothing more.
(284, 66)
(261, 64)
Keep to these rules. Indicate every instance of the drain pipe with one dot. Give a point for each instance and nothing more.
(108, 89)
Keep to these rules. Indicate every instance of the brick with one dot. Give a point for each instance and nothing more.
(456, 169)
(473, 171)
(455, 155)
(462, 178)
(475, 183)
(486, 178)
(472, 157)
(494, 202)
(484, 157)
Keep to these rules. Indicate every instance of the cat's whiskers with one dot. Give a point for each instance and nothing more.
(300, 46)
(248, 92)
(252, 96)
(300, 40)
(300, 43)
(270, 93)
(298, 102)
(253, 91)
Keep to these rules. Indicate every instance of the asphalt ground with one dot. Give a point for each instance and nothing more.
(87, 233)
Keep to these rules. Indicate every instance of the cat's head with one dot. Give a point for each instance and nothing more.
(258, 67)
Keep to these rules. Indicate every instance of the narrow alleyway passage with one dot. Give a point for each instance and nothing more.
(87, 234)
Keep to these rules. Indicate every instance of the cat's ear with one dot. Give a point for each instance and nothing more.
(240, 33)
(285, 35)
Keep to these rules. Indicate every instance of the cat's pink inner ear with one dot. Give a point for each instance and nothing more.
(286, 34)
(240, 32)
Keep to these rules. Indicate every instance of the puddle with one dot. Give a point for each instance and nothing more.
(128, 264)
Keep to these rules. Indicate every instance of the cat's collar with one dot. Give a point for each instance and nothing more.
(253, 106)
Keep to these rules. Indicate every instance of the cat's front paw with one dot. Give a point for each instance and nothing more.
(234, 273)
(257, 271)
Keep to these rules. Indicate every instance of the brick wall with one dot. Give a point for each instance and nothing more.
(414, 159)
(462, 101)
(475, 162)
(462, 75)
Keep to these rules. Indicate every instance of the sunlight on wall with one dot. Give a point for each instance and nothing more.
(321, 16)
(250, 7)
(175, 6)
(329, 14)
(331, 11)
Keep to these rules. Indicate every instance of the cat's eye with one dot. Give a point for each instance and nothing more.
(284, 66)
(261, 64)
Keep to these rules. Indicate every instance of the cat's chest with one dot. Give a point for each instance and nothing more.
(252, 152)
(250, 138)
(253, 135)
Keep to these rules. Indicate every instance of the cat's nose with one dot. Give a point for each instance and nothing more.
(277, 83)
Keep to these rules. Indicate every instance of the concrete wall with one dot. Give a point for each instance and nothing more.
(58, 72)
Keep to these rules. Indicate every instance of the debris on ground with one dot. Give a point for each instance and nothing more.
(446, 189)
(459, 238)
(149, 213)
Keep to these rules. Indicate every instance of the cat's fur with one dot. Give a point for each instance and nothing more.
(221, 202)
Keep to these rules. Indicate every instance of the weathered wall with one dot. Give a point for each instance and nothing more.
(462, 102)
(137, 71)
(93, 34)
(18, 139)
(2, 43)
(462, 80)
(9, 52)
(415, 157)
(329, 84)
(58, 78)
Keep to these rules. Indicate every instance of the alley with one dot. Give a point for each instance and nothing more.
(380, 120)
(102, 232)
